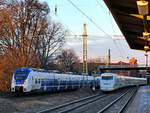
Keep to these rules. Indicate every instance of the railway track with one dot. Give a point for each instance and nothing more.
(72, 105)
(77, 105)
(118, 105)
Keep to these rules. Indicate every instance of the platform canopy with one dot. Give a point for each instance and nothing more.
(125, 13)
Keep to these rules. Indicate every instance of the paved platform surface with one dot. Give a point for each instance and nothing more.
(141, 102)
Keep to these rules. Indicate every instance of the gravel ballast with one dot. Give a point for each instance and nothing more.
(33, 102)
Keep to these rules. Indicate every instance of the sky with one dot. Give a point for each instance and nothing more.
(100, 25)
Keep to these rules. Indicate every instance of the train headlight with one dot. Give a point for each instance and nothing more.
(14, 81)
(26, 82)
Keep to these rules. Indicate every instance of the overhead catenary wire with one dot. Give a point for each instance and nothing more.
(92, 22)
(87, 17)
(122, 48)
(111, 25)
(100, 5)
(113, 28)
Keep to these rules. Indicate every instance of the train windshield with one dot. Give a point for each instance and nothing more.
(21, 75)
(107, 77)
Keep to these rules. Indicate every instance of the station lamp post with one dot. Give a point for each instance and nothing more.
(143, 10)
(146, 47)
(146, 54)
(142, 7)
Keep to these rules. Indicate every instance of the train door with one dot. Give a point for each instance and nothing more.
(33, 82)
(58, 82)
(66, 82)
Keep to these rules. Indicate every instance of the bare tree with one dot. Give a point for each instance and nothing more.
(26, 32)
(27, 37)
(20, 20)
(93, 64)
(67, 60)
(51, 43)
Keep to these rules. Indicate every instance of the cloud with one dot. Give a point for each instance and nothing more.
(99, 47)
(90, 41)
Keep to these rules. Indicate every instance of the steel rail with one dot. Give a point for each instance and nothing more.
(71, 109)
(106, 107)
(87, 102)
(123, 107)
(69, 103)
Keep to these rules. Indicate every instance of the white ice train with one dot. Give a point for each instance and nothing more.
(30, 79)
(112, 81)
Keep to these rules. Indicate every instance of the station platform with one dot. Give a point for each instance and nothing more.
(141, 102)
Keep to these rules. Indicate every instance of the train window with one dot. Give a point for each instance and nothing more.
(39, 81)
(35, 81)
(21, 75)
(47, 83)
(56, 82)
(51, 82)
(107, 77)
(42, 82)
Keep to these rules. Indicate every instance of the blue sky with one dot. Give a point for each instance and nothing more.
(105, 29)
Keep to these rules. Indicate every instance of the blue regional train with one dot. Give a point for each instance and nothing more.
(31, 79)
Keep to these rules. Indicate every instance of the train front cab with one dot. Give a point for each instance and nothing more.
(20, 81)
(107, 83)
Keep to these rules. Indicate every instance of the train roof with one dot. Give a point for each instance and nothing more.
(34, 69)
(46, 71)
(121, 76)
(108, 74)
